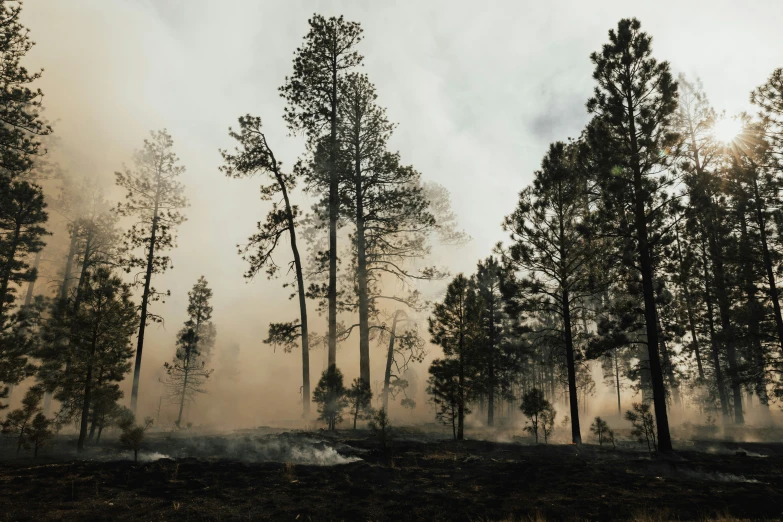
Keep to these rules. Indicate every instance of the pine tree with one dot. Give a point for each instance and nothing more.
(22, 216)
(405, 346)
(539, 412)
(313, 97)
(187, 372)
(85, 378)
(387, 205)
(18, 422)
(444, 390)
(329, 394)
(633, 106)
(453, 327)
(254, 156)
(496, 357)
(359, 397)
(154, 199)
(552, 245)
(20, 342)
(20, 104)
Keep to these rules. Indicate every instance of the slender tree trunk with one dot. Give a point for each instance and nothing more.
(773, 290)
(650, 310)
(491, 366)
(95, 412)
(727, 330)
(668, 366)
(689, 308)
(28, 298)
(20, 440)
(182, 396)
(333, 217)
(617, 381)
(453, 425)
(461, 403)
(192, 345)
(300, 288)
(87, 394)
(576, 434)
(724, 402)
(77, 300)
(69, 263)
(145, 301)
(389, 360)
(754, 312)
(361, 268)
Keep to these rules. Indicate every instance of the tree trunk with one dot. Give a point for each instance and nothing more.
(77, 300)
(491, 365)
(145, 301)
(453, 425)
(87, 393)
(689, 308)
(333, 217)
(754, 311)
(186, 371)
(773, 290)
(461, 395)
(617, 381)
(28, 298)
(20, 440)
(668, 367)
(95, 412)
(727, 330)
(361, 267)
(389, 360)
(299, 285)
(724, 402)
(576, 434)
(650, 311)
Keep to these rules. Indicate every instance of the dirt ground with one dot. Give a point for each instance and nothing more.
(258, 475)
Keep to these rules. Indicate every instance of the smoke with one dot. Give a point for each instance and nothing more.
(144, 456)
(115, 70)
(249, 447)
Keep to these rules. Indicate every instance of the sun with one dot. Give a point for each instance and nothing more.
(726, 130)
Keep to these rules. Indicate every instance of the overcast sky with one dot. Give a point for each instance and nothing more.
(479, 90)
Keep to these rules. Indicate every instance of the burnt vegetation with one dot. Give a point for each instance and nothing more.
(642, 260)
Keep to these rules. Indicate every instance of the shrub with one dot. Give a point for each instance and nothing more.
(539, 412)
(643, 425)
(133, 435)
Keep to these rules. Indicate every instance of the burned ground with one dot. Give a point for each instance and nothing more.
(255, 476)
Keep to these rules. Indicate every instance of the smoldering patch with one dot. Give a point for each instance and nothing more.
(297, 448)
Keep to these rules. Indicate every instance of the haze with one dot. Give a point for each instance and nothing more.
(478, 96)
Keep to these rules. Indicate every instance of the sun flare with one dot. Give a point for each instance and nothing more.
(727, 129)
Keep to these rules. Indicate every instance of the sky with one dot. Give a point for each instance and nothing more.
(478, 89)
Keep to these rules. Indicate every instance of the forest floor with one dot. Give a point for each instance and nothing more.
(268, 475)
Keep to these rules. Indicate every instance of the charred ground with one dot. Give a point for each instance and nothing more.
(260, 475)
